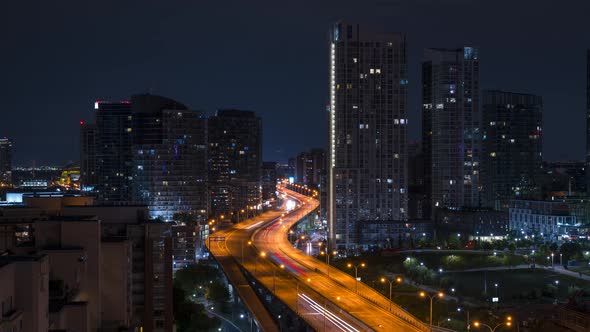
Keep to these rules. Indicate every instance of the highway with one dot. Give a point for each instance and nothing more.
(226, 247)
(367, 309)
(324, 297)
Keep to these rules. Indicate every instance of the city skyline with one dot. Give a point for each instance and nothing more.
(517, 59)
(399, 165)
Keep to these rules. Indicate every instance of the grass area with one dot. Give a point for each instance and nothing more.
(388, 266)
(516, 286)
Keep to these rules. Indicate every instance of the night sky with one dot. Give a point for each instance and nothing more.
(57, 57)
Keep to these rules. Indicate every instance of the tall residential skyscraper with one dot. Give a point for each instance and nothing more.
(114, 136)
(88, 170)
(235, 161)
(5, 161)
(169, 158)
(367, 135)
(511, 145)
(588, 121)
(310, 167)
(451, 124)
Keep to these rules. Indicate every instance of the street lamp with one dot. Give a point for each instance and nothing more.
(508, 323)
(262, 254)
(552, 260)
(385, 280)
(249, 243)
(356, 272)
(561, 259)
(431, 297)
(467, 312)
(274, 275)
(327, 254)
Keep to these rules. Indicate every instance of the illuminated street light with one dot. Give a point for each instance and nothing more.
(508, 323)
(356, 271)
(431, 297)
(327, 254)
(385, 280)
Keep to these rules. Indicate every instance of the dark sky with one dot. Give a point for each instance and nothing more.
(57, 57)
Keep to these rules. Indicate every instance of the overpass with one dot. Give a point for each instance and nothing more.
(321, 295)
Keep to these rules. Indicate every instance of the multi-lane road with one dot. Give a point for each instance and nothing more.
(325, 297)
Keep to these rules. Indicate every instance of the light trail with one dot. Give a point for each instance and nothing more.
(333, 318)
(254, 225)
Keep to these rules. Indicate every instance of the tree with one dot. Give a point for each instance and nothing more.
(570, 250)
(183, 217)
(219, 294)
(553, 247)
(512, 247)
(195, 276)
(190, 316)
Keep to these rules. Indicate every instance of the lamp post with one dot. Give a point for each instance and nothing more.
(508, 323)
(327, 254)
(356, 272)
(262, 254)
(468, 324)
(249, 243)
(385, 280)
(431, 297)
(274, 275)
(561, 259)
(552, 259)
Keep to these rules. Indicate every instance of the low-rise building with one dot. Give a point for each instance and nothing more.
(552, 220)
(24, 293)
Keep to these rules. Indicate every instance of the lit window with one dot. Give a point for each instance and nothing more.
(440, 106)
(372, 71)
(378, 71)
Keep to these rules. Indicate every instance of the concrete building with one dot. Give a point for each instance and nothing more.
(169, 158)
(451, 126)
(472, 223)
(187, 245)
(310, 167)
(418, 202)
(512, 146)
(114, 137)
(367, 173)
(24, 293)
(551, 220)
(269, 183)
(150, 263)
(235, 162)
(88, 145)
(5, 161)
(108, 266)
(588, 120)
